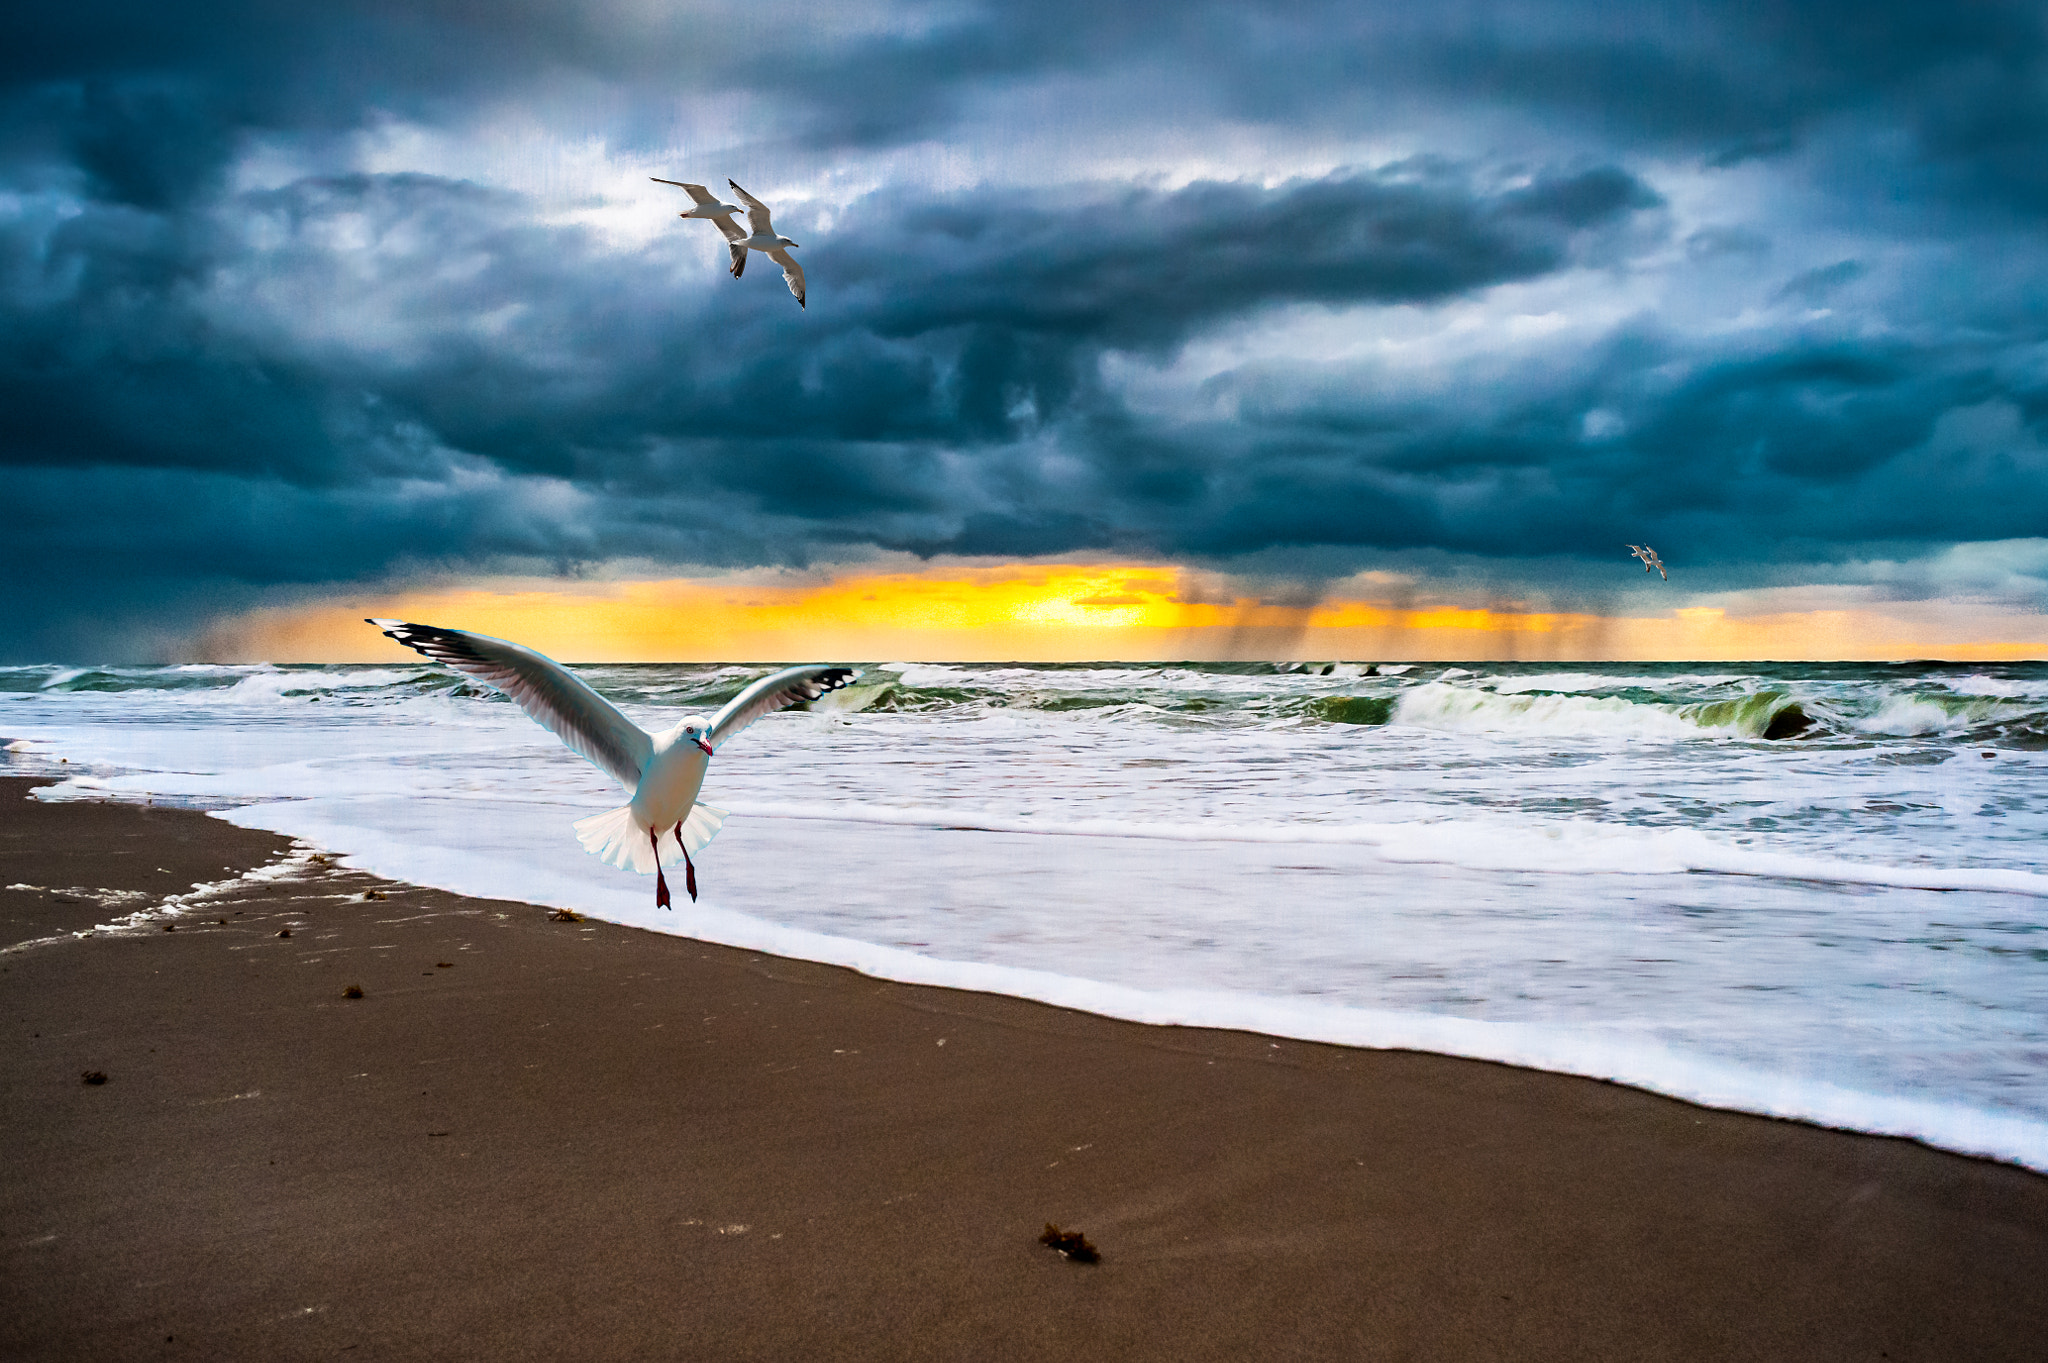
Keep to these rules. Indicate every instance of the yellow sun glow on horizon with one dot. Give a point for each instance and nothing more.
(1068, 612)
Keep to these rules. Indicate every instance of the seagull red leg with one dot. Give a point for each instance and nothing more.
(660, 880)
(689, 867)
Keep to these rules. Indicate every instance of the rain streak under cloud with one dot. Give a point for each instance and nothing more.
(1465, 296)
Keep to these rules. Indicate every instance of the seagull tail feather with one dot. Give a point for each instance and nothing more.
(617, 839)
(702, 826)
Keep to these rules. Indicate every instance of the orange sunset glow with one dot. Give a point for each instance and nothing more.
(1064, 612)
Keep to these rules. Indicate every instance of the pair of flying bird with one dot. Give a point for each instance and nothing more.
(758, 235)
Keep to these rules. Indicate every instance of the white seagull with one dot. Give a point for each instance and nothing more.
(1650, 559)
(763, 239)
(707, 206)
(664, 771)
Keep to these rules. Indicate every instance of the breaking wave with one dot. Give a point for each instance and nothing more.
(1644, 702)
(1437, 705)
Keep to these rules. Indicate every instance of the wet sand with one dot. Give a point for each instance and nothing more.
(541, 1139)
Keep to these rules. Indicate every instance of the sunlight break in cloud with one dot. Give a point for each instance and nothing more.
(1080, 612)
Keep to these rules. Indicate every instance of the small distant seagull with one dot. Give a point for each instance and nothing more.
(1650, 559)
(762, 239)
(707, 205)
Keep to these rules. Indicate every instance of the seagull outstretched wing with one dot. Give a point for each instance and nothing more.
(792, 273)
(757, 212)
(777, 691)
(697, 192)
(557, 699)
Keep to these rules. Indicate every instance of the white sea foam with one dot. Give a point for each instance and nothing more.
(1496, 845)
(1598, 1052)
(283, 687)
(1435, 705)
(1906, 715)
(1567, 682)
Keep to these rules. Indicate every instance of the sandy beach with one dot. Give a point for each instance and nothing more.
(532, 1138)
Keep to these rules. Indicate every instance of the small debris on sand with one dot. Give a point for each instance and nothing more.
(444, 965)
(565, 916)
(375, 894)
(94, 1076)
(354, 991)
(170, 927)
(1071, 1244)
(284, 932)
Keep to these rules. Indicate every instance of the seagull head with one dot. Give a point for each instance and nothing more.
(784, 242)
(699, 737)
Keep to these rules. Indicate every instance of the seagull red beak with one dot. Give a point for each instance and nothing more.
(705, 744)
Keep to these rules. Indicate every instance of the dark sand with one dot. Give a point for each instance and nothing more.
(582, 1141)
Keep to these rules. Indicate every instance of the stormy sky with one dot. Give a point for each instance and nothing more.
(293, 298)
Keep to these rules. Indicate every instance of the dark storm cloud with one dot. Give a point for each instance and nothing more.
(1140, 269)
(1726, 80)
(136, 343)
(215, 393)
(1744, 457)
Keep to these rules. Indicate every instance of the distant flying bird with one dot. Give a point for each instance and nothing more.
(664, 771)
(707, 205)
(762, 239)
(1650, 559)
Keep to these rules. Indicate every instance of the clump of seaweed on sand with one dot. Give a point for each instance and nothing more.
(1071, 1244)
(354, 991)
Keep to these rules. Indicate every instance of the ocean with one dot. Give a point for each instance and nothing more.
(1806, 890)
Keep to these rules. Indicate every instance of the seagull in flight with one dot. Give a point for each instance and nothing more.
(706, 206)
(763, 239)
(1650, 559)
(664, 771)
